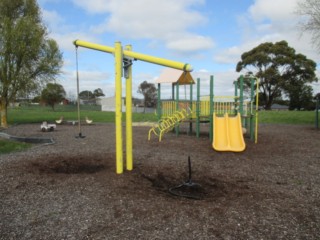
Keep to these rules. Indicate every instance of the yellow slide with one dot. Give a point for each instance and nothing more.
(228, 133)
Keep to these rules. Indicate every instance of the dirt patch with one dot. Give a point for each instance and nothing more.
(69, 165)
(206, 188)
(69, 190)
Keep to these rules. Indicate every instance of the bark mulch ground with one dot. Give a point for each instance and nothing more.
(69, 189)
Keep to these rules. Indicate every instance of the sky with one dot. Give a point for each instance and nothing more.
(211, 35)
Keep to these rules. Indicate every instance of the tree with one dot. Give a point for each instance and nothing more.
(278, 66)
(149, 92)
(301, 97)
(98, 93)
(28, 58)
(310, 11)
(52, 94)
(86, 95)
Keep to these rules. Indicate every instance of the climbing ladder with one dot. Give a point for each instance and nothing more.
(169, 123)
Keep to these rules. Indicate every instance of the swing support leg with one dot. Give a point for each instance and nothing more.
(128, 76)
(118, 73)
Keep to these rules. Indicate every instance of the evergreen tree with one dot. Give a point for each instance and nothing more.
(53, 94)
(149, 92)
(278, 67)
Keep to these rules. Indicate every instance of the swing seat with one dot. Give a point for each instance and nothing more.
(59, 121)
(73, 122)
(89, 121)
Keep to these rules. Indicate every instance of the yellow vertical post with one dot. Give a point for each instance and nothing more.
(129, 160)
(257, 111)
(118, 85)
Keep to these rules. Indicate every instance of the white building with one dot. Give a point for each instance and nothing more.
(108, 104)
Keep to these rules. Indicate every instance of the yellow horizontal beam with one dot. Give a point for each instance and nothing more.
(93, 46)
(137, 56)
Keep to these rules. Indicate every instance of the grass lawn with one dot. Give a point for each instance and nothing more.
(7, 146)
(287, 117)
(37, 114)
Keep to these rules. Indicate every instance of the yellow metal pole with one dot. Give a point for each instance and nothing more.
(160, 61)
(118, 120)
(129, 160)
(257, 110)
(94, 46)
(136, 56)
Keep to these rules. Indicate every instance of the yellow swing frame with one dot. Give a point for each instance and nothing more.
(120, 55)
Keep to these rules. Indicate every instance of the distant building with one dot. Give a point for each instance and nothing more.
(108, 104)
(279, 107)
(88, 101)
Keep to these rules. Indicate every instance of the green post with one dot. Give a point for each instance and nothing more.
(251, 108)
(177, 106)
(235, 88)
(191, 107)
(235, 96)
(198, 109)
(172, 92)
(159, 114)
(211, 110)
(241, 98)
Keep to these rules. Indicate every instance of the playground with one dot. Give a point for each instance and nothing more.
(70, 189)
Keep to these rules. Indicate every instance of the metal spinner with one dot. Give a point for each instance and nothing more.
(188, 189)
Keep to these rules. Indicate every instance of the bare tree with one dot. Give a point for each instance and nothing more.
(309, 10)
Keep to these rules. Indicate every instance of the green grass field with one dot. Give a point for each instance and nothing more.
(37, 114)
(287, 117)
(7, 146)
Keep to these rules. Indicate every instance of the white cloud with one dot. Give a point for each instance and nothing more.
(191, 43)
(223, 82)
(65, 40)
(88, 80)
(60, 31)
(95, 6)
(229, 55)
(52, 18)
(167, 21)
(269, 10)
(152, 18)
(269, 22)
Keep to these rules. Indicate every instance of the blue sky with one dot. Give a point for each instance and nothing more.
(211, 35)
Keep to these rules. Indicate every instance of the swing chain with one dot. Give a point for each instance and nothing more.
(78, 97)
